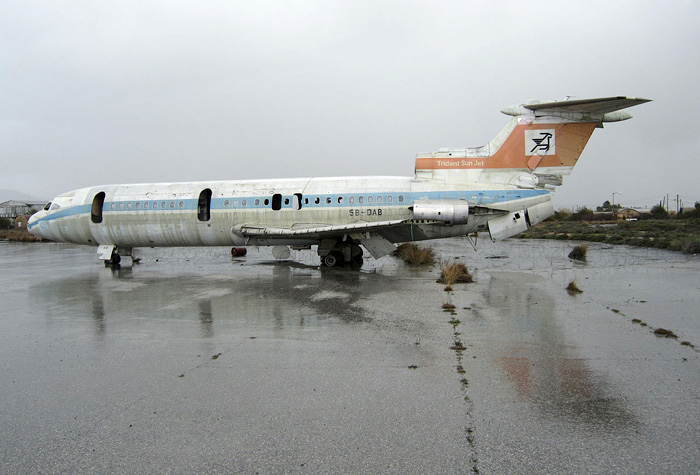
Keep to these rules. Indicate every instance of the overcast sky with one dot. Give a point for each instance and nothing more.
(98, 92)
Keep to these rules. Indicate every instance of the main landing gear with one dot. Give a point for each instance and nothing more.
(337, 253)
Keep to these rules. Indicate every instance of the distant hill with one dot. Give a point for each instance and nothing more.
(7, 195)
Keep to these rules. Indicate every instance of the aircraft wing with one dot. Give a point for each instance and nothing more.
(372, 234)
(316, 231)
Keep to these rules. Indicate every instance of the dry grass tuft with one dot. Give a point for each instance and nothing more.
(414, 255)
(454, 273)
(665, 333)
(19, 236)
(579, 253)
(572, 288)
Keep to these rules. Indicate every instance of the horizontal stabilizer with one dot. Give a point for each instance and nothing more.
(581, 108)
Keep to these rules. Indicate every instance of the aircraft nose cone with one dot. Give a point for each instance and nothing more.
(32, 226)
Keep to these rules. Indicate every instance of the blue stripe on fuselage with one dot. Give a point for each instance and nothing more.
(348, 200)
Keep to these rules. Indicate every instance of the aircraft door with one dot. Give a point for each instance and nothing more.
(207, 231)
(98, 229)
(204, 205)
(98, 203)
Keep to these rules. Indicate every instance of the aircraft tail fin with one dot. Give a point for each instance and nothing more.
(544, 139)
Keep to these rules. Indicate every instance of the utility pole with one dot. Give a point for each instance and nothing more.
(614, 211)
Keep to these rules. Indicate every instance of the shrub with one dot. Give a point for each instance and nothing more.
(579, 252)
(658, 212)
(691, 246)
(561, 215)
(415, 255)
(693, 214)
(584, 214)
(454, 273)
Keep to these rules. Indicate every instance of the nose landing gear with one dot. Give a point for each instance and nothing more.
(112, 255)
(114, 261)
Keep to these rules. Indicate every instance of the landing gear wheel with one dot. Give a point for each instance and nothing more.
(356, 252)
(334, 259)
(114, 261)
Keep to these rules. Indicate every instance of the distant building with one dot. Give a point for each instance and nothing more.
(630, 213)
(12, 209)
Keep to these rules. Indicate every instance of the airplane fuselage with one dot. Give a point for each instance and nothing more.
(212, 213)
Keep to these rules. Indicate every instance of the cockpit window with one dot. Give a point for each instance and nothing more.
(54, 207)
(48, 205)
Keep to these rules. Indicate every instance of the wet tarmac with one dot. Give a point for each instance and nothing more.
(194, 362)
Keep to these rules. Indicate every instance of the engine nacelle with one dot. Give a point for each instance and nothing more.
(449, 211)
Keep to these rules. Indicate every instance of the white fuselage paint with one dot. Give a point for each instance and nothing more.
(166, 214)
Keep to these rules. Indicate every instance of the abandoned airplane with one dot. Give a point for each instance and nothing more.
(502, 187)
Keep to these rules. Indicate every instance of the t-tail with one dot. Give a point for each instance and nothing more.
(542, 142)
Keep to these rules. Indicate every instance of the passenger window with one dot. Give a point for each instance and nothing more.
(351, 199)
(360, 199)
(389, 199)
(369, 199)
(400, 198)
(340, 199)
(328, 200)
(317, 200)
(379, 199)
(257, 202)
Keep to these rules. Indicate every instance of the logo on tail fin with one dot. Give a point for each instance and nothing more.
(540, 142)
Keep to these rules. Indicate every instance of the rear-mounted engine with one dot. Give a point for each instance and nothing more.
(449, 211)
